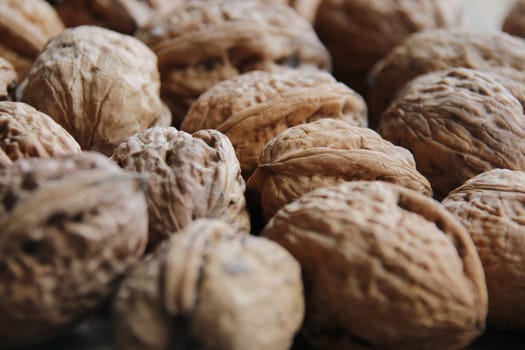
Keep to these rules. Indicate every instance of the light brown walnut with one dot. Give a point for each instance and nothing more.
(8, 80)
(514, 22)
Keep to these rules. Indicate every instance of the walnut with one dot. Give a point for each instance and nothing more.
(457, 123)
(202, 43)
(210, 288)
(71, 226)
(8, 80)
(306, 8)
(328, 152)
(490, 206)
(101, 86)
(383, 267)
(358, 33)
(190, 176)
(431, 51)
(514, 22)
(254, 107)
(26, 25)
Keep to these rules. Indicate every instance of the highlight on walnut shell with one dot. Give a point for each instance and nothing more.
(255, 107)
(201, 43)
(71, 227)
(490, 206)
(189, 176)
(457, 123)
(514, 22)
(383, 267)
(210, 288)
(8, 80)
(323, 153)
(101, 86)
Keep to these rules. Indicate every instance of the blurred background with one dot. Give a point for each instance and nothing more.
(486, 14)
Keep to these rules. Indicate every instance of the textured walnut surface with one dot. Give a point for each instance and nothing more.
(210, 288)
(492, 208)
(383, 267)
(514, 23)
(457, 123)
(328, 152)
(8, 78)
(253, 108)
(70, 227)
(189, 176)
(101, 86)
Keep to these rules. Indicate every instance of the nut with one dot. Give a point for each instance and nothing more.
(490, 206)
(328, 152)
(306, 8)
(514, 22)
(202, 43)
(457, 123)
(100, 85)
(8, 79)
(209, 288)
(71, 226)
(254, 107)
(189, 176)
(383, 267)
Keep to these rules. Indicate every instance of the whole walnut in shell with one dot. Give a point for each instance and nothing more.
(491, 206)
(189, 176)
(457, 123)
(210, 288)
(255, 107)
(100, 85)
(25, 26)
(8, 79)
(514, 22)
(202, 43)
(383, 267)
(327, 152)
(71, 226)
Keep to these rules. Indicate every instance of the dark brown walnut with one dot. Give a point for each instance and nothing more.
(358, 33)
(210, 288)
(383, 267)
(202, 43)
(436, 50)
(25, 26)
(457, 123)
(189, 176)
(514, 22)
(8, 80)
(324, 153)
(491, 206)
(101, 86)
(255, 107)
(71, 226)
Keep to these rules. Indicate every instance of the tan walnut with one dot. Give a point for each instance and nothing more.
(255, 107)
(457, 123)
(383, 267)
(101, 86)
(8, 80)
(189, 176)
(71, 226)
(327, 152)
(210, 288)
(202, 43)
(491, 206)
(514, 22)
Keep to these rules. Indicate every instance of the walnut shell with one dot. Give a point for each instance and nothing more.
(383, 267)
(8, 80)
(202, 43)
(71, 226)
(306, 8)
(514, 22)
(209, 288)
(358, 33)
(491, 206)
(436, 50)
(26, 25)
(254, 107)
(189, 176)
(457, 123)
(100, 85)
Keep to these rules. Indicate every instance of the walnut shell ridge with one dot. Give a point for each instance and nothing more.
(8, 80)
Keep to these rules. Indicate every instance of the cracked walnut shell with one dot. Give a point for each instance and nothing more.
(71, 226)
(383, 267)
(210, 288)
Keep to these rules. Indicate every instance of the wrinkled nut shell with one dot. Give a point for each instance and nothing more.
(8, 79)
(457, 123)
(210, 288)
(514, 22)
(328, 152)
(100, 85)
(189, 176)
(70, 228)
(491, 206)
(383, 267)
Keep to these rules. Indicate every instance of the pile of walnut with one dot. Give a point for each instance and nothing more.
(193, 166)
